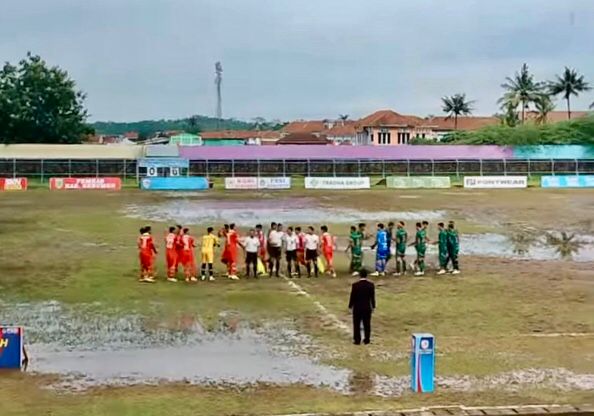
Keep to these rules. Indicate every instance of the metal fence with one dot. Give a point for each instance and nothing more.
(127, 168)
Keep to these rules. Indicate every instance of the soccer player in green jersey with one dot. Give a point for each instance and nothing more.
(442, 242)
(390, 231)
(356, 248)
(453, 246)
(401, 240)
(362, 228)
(421, 247)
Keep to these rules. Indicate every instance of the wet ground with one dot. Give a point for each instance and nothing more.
(288, 210)
(89, 349)
(554, 378)
(543, 247)
(88, 346)
(514, 243)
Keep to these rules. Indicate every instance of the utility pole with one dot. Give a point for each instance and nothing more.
(218, 82)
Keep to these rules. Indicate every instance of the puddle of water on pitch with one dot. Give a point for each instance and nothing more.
(581, 249)
(252, 211)
(88, 349)
(498, 245)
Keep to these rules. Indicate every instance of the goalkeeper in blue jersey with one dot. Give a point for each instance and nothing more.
(382, 251)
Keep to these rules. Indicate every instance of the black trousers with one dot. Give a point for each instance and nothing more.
(251, 259)
(358, 318)
(274, 254)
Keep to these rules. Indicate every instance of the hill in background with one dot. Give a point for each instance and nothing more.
(194, 124)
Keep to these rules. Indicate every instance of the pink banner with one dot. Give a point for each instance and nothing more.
(104, 184)
(313, 152)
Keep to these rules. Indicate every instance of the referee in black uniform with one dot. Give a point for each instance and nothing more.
(362, 304)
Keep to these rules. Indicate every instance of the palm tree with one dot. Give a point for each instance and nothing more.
(544, 105)
(509, 117)
(521, 89)
(343, 117)
(569, 83)
(455, 106)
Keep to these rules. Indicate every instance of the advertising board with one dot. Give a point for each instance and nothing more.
(356, 182)
(495, 182)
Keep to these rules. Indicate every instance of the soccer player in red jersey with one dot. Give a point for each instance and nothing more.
(300, 246)
(188, 260)
(223, 234)
(179, 246)
(171, 254)
(231, 249)
(328, 244)
(147, 251)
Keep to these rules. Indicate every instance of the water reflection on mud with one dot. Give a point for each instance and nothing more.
(530, 245)
(89, 349)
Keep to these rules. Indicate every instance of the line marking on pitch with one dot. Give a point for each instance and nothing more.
(532, 335)
(327, 314)
(344, 327)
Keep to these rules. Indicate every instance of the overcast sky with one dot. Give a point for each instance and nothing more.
(289, 59)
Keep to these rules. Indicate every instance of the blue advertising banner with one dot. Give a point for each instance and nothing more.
(164, 162)
(567, 181)
(422, 363)
(173, 183)
(11, 346)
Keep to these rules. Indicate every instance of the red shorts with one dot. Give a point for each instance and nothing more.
(147, 260)
(187, 259)
(232, 256)
(301, 256)
(171, 258)
(329, 256)
(225, 255)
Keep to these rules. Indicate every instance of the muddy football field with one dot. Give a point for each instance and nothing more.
(516, 327)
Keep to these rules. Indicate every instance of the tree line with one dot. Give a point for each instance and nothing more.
(42, 104)
(521, 91)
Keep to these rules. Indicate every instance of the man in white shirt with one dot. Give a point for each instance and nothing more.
(312, 247)
(251, 246)
(290, 241)
(275, 242)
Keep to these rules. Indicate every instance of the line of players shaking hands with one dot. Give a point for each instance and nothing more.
(263, 252)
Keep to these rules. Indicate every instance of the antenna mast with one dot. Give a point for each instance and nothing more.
(218, 82)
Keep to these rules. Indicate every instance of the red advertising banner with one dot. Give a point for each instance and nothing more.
(13, 184)
(67, 184)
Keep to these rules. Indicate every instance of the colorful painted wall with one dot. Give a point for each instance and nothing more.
(435, 152)
(241, 152)
(553, 152)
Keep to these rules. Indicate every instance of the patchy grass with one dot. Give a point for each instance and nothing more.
(260, 400)
(78, 248)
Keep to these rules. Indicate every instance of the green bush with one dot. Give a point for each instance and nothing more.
(578, 131)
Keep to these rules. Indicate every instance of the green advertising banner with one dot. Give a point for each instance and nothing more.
(404, 182)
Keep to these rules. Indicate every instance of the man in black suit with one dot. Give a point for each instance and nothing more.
(362, 304)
